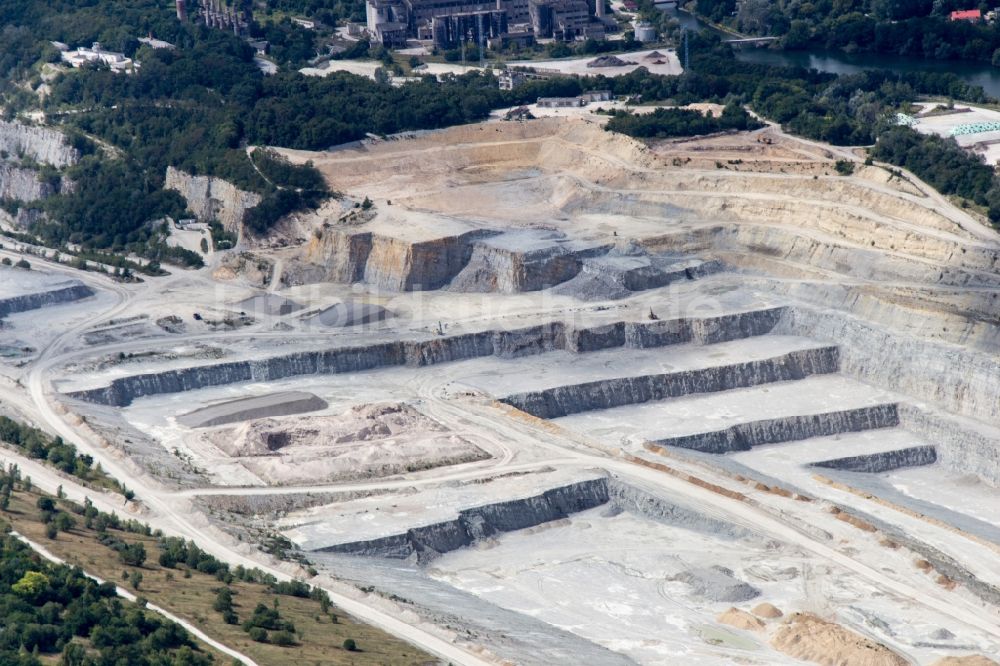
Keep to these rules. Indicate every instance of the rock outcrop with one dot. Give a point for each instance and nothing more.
(744, 436)
(20, 184)
(961, 381)
(960, 446)
(399, 265)
(506, 343)
(616, 392)
(66, 294)
(45, 146)
(885, 461)
(23, 218)
(478, 523)
(515, 262)
(349, 255)
(615, 276)
(475, 524)
(212, 198)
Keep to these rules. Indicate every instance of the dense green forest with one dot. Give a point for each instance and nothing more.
(663, 123)
(919, 28)
(943, 164)
(327, 11)
(55, 609)
(38, 445)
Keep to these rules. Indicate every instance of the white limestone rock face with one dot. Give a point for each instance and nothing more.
(42, 145)
(212, 198)
(20, 184)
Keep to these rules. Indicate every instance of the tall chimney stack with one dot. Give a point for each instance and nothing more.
(182, 13)
(599, 8)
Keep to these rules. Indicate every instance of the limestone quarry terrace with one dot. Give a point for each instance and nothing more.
(708, 373)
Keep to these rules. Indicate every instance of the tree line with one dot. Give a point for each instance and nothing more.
(916, 28)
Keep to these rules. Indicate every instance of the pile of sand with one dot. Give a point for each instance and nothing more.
(361, 423)
(810, 638)
(741, 619)
(971, 660)
(767, 611)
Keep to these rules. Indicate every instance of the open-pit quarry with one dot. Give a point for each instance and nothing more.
(558, 396)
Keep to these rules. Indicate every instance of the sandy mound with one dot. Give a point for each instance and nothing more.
(971, 660)
(363, 442)
(362, 423)
(252, 269)
(740, 619)
(810, 638)
(767, 611)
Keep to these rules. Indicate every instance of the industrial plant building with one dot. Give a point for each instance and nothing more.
(451, 22)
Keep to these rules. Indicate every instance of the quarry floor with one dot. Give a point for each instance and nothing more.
(905, 558)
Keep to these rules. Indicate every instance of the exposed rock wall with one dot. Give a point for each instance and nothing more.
(343, 255)
(399, 265)
(42, 145)
(508, 269)
(427, 542)
(665, 332)
(630, 499)
(607, 393)
(917, 259)
(954, 379)
(212, 198)
(348, 255)
(744, 436)
(610, 277)
(24, 218)
(885, 461)
(507, 344)
(19, 184)
(73, 292)
(961, 446)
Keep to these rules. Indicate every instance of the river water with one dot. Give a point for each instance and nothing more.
(838, 62)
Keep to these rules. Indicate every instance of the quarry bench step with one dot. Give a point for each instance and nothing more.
(562, 368)
(872, 451)
(701, 370)
(738, 419)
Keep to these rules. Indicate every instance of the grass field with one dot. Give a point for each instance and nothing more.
(190, 594)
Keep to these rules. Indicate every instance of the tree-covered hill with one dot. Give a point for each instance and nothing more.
(53, 609)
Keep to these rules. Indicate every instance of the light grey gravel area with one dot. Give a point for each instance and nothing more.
(285, 403)
(512, 635)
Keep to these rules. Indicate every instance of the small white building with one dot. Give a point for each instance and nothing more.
(560, 102)
(83, 56)
(154, 43)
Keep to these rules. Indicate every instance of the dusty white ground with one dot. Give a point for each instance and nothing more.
(610, 579)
